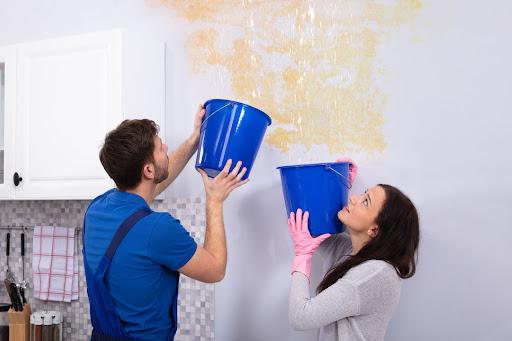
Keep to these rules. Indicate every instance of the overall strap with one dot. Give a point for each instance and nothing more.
(121, 232)
(105, 320)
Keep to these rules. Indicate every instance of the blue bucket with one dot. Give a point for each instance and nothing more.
(230, 130)
(322, 189)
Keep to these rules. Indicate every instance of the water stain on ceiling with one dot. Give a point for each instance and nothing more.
(311, 65)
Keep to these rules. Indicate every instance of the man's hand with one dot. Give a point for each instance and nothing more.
(218, 189)
(193, 140)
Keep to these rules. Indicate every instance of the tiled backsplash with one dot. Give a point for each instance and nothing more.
(195, 300)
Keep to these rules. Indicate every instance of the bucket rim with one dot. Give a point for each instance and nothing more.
(313, 164)
(269, 119)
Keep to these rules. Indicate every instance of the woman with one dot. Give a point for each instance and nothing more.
(356, 298)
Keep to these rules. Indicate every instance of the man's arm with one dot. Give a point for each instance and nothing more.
(208, 264)
(180, 157)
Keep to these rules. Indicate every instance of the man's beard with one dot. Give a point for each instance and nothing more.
(161, 173)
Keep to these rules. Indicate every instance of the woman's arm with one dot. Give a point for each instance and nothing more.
(337, 302)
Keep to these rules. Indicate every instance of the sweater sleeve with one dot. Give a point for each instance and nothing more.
(339, 301)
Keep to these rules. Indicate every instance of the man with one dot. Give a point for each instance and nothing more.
(132, 255)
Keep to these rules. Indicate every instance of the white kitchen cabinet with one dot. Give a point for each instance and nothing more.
(67, 94)
(7, 114)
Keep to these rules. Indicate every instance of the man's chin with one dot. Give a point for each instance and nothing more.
(162, 178)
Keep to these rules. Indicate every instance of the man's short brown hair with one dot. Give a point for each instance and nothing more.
(127, 149)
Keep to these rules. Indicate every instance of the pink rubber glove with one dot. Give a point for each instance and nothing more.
(352, 169)
(304, 245)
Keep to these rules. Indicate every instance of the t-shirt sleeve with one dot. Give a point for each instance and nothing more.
(170, 244)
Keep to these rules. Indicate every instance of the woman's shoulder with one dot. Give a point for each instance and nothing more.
(337, 241)
(335, 247)
(375, 271)
(377, 284)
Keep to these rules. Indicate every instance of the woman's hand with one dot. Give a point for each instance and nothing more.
(352, 169)
(304, 245)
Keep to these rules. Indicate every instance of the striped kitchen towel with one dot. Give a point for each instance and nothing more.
(55, 263)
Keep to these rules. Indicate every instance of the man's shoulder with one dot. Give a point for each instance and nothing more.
(163, 228)
(104, 195)
(164, 217)
(99, 199)
(163, 221)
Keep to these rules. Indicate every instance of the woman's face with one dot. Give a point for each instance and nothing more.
(362, 210)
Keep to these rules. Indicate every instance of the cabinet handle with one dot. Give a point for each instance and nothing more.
(17, 179)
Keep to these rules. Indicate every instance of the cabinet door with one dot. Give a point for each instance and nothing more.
(144, 72)
(144, 81)
(7, 110)
(68, 98)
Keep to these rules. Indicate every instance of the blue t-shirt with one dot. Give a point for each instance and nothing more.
(143, 277)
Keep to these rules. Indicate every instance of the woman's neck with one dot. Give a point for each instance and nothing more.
(358, 241)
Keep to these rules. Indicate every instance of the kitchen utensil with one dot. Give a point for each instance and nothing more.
(9, 275)
(13, 295)
(24, 283)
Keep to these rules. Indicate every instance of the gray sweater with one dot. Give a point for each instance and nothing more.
(356, 307)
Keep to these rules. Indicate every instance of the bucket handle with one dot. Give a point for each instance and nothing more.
(213, 113)
(346, 181)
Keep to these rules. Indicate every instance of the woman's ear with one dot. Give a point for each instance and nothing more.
(372, 231)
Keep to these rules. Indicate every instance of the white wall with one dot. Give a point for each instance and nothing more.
(448, 130)
(2, 106)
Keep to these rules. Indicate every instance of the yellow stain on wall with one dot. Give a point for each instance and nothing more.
(311, 65)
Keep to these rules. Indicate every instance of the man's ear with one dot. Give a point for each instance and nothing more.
(148, 172)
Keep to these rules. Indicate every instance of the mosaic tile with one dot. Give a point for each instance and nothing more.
(195, 300)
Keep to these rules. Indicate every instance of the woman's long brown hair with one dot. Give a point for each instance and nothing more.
(396, 241)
